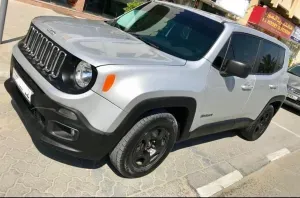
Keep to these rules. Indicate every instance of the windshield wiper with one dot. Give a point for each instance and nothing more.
(144, 40)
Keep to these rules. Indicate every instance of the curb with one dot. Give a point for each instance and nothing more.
(220, 184)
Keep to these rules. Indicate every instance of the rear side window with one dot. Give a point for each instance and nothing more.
(270, 59)
(242, 48)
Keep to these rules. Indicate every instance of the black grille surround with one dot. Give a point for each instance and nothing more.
(297, 102)
(52, 61)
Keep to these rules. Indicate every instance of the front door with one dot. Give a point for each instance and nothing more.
(226, 96)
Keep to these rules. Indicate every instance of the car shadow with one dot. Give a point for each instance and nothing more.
(291, 109)
(33, 128)
(203, 140)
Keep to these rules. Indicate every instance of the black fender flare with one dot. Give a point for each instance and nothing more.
(279, 98)
(158, 103)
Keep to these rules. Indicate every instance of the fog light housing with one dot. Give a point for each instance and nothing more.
(67, 113)
(62, 131)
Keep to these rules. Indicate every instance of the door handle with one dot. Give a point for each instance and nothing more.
(273, 86)
(247, 87)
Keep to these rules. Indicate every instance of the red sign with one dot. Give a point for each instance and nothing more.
(271, 21)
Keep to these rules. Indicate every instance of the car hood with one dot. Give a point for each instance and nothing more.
(101, 44)
(294, 81)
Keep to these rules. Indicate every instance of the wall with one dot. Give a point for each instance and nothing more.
(297, 10)
(297, 59)
(286, 4)
(244, 20)
(63, 10)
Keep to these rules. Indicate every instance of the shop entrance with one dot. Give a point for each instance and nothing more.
(106, 8)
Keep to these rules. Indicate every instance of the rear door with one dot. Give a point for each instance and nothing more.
(268, 71)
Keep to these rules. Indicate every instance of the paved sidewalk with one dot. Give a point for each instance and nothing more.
(29, 169)
(19, 16)
(279, 178)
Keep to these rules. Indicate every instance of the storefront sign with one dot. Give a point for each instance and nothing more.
(271, 21)
(238, 7)
(276, 24)
(296, 35)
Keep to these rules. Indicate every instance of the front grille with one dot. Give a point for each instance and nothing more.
(52, 61)
(43, 53)
(296, 91)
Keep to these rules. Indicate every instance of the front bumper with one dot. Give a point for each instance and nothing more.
(76, 137)
(292, 103)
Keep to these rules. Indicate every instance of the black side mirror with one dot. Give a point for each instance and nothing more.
(236, 68)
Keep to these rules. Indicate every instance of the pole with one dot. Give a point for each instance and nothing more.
(3, 9)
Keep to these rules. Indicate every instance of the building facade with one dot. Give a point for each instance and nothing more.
(278, 18)
(113, 8)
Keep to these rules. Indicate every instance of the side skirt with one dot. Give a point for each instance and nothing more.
(218, 127)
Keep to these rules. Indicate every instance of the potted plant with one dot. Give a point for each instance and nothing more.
(133, 4)
(72, 2)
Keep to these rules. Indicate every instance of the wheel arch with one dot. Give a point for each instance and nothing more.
(182, 108)
(276, 102)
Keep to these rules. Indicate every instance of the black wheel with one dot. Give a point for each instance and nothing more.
(258, 127)
(146, 145)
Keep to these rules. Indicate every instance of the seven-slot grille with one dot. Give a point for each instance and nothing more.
(43, 53)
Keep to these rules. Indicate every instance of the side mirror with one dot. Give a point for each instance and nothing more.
(236, 68)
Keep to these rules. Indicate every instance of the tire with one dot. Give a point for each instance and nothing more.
(259, 126)
(145, 146)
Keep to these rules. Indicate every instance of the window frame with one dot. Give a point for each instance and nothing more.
(257, 53)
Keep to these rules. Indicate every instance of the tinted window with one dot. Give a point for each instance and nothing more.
(176, 31)
(220, 58)
(242, 48)
(270, 59)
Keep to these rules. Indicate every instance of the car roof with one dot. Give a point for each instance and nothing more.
(229, 22)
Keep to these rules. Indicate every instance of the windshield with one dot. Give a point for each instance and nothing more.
(295, 70)
(175, 31)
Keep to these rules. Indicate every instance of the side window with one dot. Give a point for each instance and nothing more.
(242, 48)
(269, 60)
(220, 58)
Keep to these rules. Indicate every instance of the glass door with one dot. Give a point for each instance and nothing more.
(107, 8)
(65, 3)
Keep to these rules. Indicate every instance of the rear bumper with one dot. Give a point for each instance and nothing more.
(76, 137)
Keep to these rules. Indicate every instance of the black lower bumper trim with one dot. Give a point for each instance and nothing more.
(292, 103)
(90, 143)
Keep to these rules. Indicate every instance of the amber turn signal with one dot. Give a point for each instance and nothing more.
(109, 81)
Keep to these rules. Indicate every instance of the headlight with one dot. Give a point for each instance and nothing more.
(83, 74)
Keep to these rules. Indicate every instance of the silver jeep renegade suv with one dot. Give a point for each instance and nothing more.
(132, 87)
